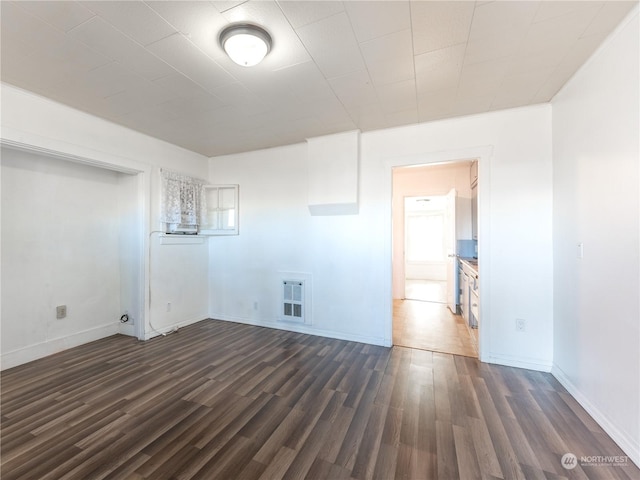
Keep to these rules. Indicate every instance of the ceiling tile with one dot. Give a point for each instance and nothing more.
(16, 21)
(540, 60)
(62, 15)
(135, 19)
(143, 96)
(354, 88)
(577, 55)
(520, 89)
(498, 44)
(199, 21)
(397, 97)
(549, 10)
(483, 78)
(368, 117)
(436, 103)
(332, 45)
(559, 33)
(378, 18)
(440, 69)
(472, 105)
(73, 52)
(304, 13)
(493, 17)
(181, 107)
(609, 17)
(186, 58)
(438, 25)
(292, 83)
(109, 79)
(223, 6)
(180, 85)
(102, 37)
(236, 94)
(405, 117)
(389, 59)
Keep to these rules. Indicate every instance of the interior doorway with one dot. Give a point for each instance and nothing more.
(427, 241)
(432, 220)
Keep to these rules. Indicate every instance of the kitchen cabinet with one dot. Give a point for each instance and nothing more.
(473, 174)
(469, 292)
(474, 199)
(464, 294)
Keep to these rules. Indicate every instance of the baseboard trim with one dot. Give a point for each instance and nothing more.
(519, 362)
(630, 447)
(302, 328)
(153, 333)
(56, 345)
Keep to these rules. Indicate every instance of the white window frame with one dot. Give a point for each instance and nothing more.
(218, 228)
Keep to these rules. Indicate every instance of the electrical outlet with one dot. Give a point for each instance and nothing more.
(521, 324)
(255, 305)
(168, 306)
(61, 311)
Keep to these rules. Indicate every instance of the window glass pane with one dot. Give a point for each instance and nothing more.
(227, 198)
(212, 198)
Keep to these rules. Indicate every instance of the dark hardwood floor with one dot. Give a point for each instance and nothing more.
(221, 400)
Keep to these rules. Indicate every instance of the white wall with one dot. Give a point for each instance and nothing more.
(429, 180)
(176, 273)
(595, 187)
(350, 256)
(60, 246)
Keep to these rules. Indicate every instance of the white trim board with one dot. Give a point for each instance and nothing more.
(57, 345)
(626, 443)
(302, 328)
(482, 153)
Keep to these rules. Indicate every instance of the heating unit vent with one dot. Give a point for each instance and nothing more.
(293, 300)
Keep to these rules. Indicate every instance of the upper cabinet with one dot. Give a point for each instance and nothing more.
(221, 210)
(333, 173)
(474, 199)
(474, 173)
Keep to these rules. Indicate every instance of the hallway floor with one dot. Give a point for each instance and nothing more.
(426, 290)
(432, 326)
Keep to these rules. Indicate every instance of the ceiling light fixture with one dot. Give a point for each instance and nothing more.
(245, 44)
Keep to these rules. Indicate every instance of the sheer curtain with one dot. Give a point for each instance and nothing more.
(183, 199)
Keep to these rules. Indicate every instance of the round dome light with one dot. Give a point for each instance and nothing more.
(245, 44)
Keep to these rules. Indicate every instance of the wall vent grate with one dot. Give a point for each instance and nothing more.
(293, 300)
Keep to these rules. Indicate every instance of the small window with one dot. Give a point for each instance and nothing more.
(221, 210)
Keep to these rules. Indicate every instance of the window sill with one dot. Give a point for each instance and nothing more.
(169, 239)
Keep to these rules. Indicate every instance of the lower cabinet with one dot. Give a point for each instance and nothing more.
(469, 295)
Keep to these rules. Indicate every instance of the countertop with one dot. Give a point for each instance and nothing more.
(471, 264)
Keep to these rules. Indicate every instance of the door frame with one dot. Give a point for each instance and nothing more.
(483, 154)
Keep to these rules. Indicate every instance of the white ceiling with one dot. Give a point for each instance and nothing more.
(156, 66)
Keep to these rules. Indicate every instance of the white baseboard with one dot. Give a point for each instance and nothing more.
(55, 345)
(630, 446)
(302, 328)
(127, 329)
(152, 333)
(538, 365)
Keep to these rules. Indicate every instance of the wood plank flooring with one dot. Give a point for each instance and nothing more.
(432, 326)
(220, 400)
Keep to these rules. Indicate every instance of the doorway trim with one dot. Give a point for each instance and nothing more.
(483, 154)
